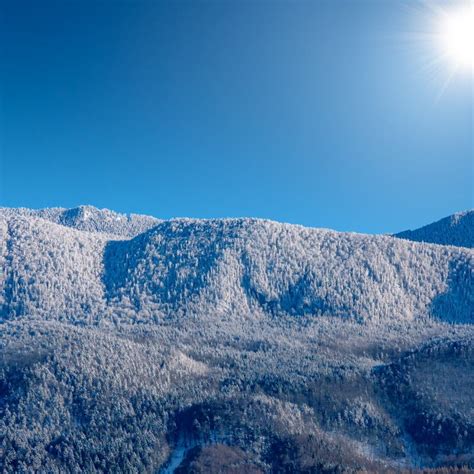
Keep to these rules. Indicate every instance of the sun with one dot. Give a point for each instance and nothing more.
(456, 36)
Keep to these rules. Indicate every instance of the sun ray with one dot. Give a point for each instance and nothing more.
(456, 35)
(444, 39)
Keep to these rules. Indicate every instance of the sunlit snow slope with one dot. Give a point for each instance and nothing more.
(77, 272)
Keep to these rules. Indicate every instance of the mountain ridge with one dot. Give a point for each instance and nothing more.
(226, 266)
(456, 229)
(89, 218)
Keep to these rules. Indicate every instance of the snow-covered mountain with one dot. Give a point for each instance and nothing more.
(130, 344)
(457, 229)
(229, 267)
(90, 219)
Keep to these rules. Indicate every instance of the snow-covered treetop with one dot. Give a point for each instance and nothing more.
(222, 267)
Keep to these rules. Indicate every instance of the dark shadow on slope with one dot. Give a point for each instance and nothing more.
(168, 266)
(14, 293)
(119, 259)
(456, 304)
(115, 263)
(300, 298)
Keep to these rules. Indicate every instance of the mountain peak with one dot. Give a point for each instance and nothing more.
(457, 229)
(90, 219)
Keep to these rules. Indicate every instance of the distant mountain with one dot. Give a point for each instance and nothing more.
(90, 219)
(129, 344)
(457, 230)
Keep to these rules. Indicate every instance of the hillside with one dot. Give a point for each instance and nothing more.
(457, 229)
(230, 346)
(235, 267)
(310, 395)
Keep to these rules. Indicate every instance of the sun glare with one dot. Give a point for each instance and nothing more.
(456, 36)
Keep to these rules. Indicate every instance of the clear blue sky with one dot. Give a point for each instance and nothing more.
(322, 113)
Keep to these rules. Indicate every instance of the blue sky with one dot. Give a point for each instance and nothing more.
(323, 113)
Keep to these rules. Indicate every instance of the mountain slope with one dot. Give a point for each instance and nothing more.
(49, 271)
(261, 267)
(457, 229)
(318, 395)
(234, 267)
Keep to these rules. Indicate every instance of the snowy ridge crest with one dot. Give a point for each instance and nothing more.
(89, 219)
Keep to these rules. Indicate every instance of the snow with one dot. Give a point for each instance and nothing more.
(457, 229)
(126, 341)
(227, 268)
